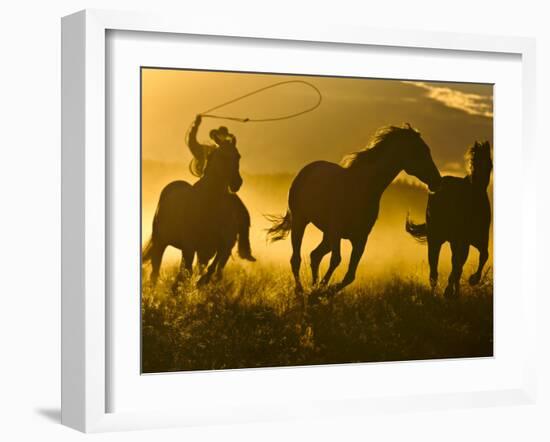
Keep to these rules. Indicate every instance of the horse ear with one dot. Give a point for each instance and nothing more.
(412, 129)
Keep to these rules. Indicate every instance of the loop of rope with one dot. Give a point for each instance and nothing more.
(257, 91)
(257, 120)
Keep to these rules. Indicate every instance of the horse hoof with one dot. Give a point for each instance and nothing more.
(203, 280)
(339, 287)
(315, 298)
(474, 279)
(450, 293)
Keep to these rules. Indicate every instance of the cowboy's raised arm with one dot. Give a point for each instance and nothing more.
(196, 148)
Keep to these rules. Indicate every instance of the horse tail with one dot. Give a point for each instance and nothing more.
(417, 231)
(280, 228)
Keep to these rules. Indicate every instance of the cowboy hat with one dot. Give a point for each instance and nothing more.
(220, 134)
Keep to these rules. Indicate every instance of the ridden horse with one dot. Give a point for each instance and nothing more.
(198, 219)
(459, 212)
(343, 200)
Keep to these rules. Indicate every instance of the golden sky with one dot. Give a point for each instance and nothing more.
(450, 116)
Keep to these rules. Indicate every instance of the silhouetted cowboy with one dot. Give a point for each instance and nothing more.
(201, 152)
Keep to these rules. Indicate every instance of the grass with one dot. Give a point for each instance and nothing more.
(253, 319)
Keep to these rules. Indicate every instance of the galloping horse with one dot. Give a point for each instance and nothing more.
(459, 212)
(343, 200)
(198, 218)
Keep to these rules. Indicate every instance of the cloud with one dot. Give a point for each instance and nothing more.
(472, 104)
(453, 168)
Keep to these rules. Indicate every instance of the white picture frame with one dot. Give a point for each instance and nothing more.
(85, 310)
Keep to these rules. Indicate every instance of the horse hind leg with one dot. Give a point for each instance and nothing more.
(297, 234)
(434, 248)
(316, 257)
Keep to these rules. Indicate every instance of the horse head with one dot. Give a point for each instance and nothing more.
(418, 158)
(480, 163)
(223, 165)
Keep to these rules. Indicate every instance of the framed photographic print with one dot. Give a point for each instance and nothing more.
(263, 223)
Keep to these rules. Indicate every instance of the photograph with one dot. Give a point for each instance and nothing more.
(300, 220)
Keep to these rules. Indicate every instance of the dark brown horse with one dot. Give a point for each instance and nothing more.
(343, 200)
(198, 219)
(459, 212)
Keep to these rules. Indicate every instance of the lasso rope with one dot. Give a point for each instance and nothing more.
(257, 91)
(207, 113)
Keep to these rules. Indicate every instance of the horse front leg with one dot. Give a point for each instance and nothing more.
(224, 257)
(476, 277)
(203, 258)
(223, 253)
(460, 254)
(335, 259)
(205, 279)
(316, 256)
(185, 270)
(358, 247)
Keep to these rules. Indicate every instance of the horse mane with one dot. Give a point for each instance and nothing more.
(478, 159)
(373, 149)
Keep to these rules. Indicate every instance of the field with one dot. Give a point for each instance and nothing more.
(252, 318)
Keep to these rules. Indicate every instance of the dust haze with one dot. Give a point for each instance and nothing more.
(390, 249)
